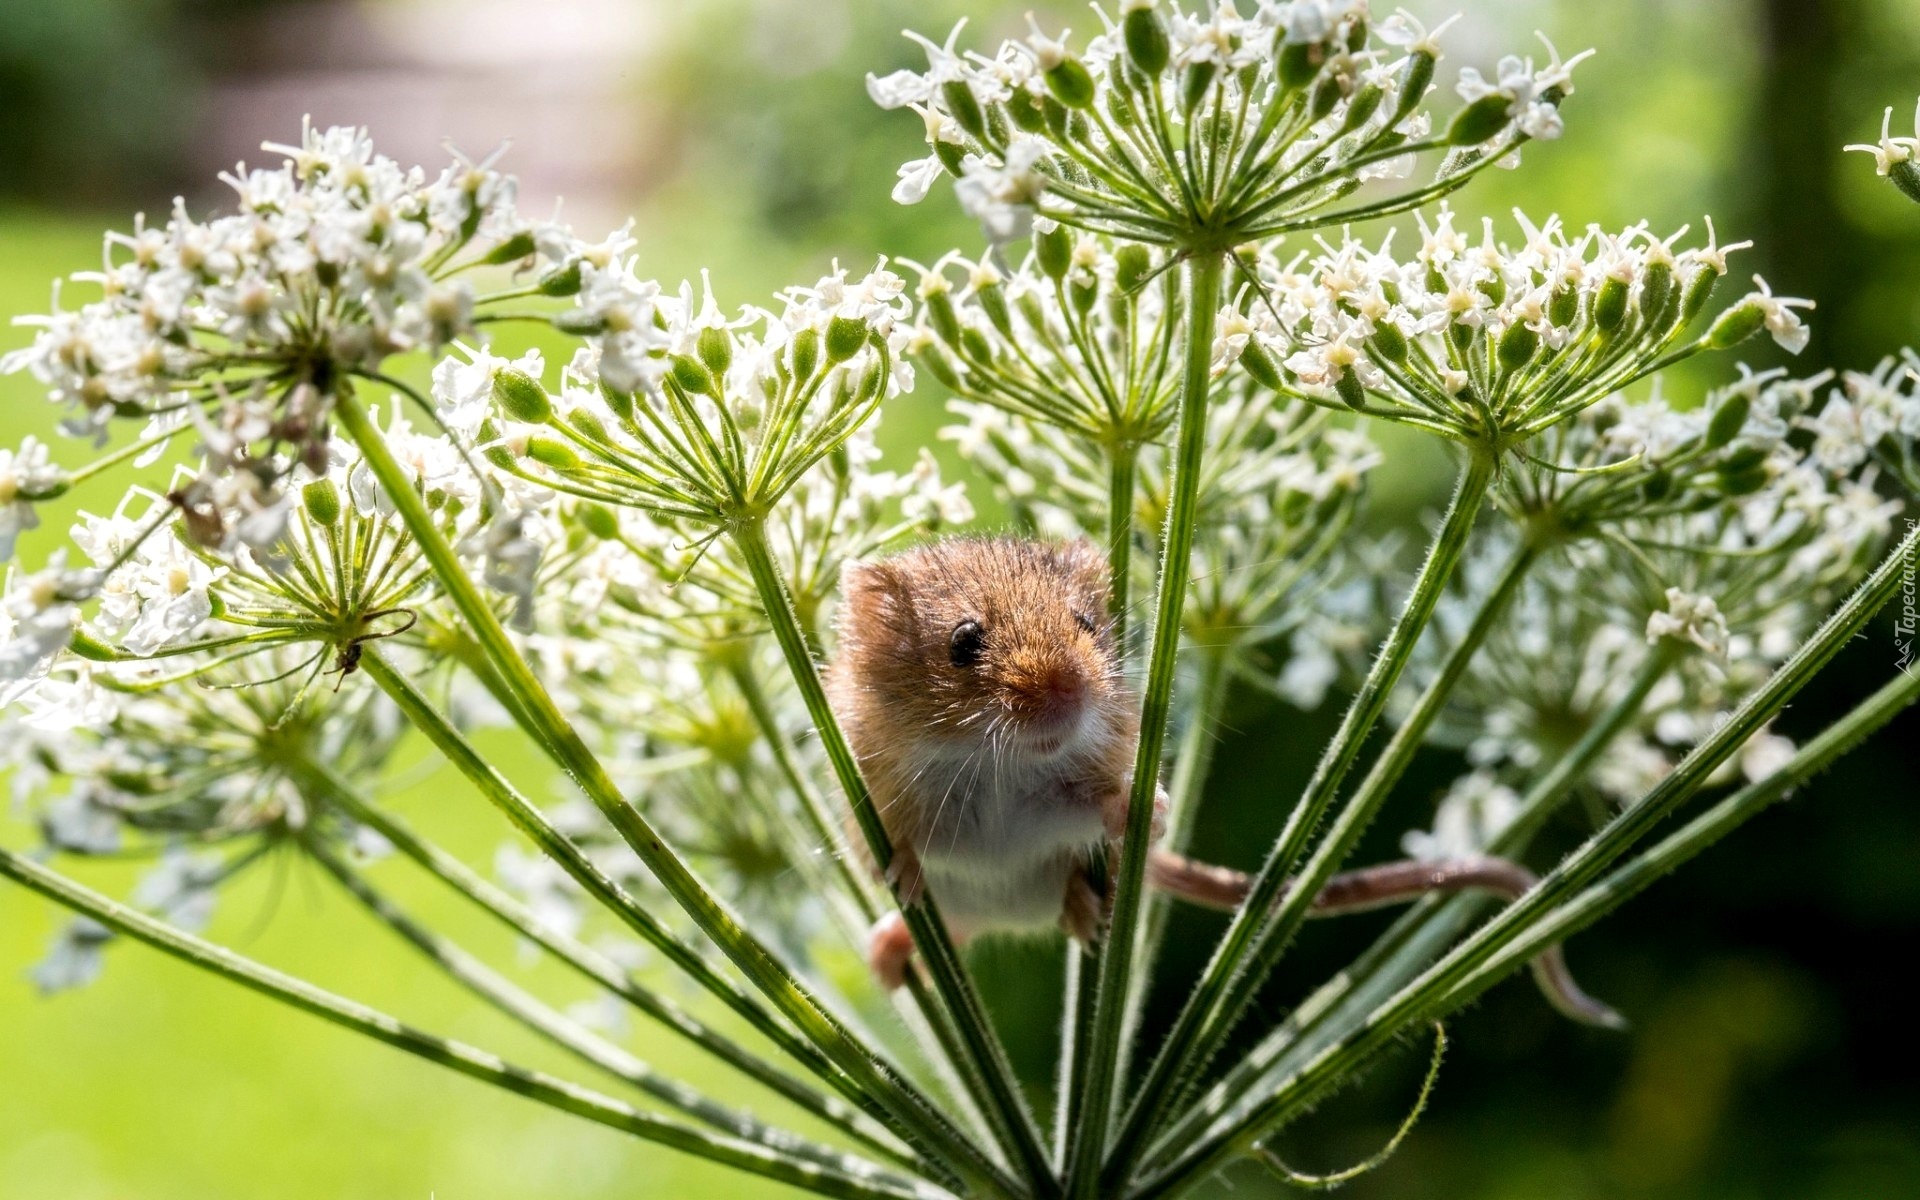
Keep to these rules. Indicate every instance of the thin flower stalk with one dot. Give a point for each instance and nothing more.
(754, 1158)
(1203, 1008)
(1426, 997)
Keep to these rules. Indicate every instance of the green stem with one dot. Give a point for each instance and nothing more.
(1433, 993)
(877, 1082)
(985, 1063)
(1204, 269)
(1413, 941)
(1192, 760)
(489, 985)
(1623, 883)
(531, 822)
(1177, 1061)
(588, 962)
(456, 1056)
(1122, 461)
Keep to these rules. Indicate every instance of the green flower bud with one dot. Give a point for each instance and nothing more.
(1736, 325)
(1024, 110)
(1082, 296)
(1479, 121)
(806, 353)
(1563, 306)
(1360, 110)
(1517, 347)
(1728, 420)
(598, 520)
(939, 366)
(715, 346)
(1195, 84)
(1610, 306)
(963, 107)
(1906, 177)
(563, 280)
(1259, 366)
(1415, 78)
(1326, 97)
(521, 397)
(1744, 459)
(692, 375)
(512, 250)
(589, 426)
(1146, 39)
(1132, 264)
(1357, 35)
(1120, 107)
(1699, 290)
(1351, 393)
(1658, 486)
(1299, 62)
(845, 337)
(1744, 483)
(618, 402)
(1031, 311)
(578, 322)
(1388, 342)
(973, 345)
(1658, 293)
(953, 158)
(993, 302)
(1494, 287)
(1071, 82)
(322, 501)
(1461, 335)
(550, 452)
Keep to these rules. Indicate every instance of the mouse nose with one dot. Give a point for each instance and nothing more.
(1062, 688)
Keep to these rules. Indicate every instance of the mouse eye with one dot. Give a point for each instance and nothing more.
(966, 643)
(1085, 622)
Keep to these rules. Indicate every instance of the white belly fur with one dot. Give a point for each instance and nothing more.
(998, 853)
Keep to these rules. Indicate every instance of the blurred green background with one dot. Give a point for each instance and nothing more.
(1770, 1055)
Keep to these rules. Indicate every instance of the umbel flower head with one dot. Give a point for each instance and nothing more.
(244, 323)
(1491, 342)
(719, 418)
(1895, 157)
(1205, 128)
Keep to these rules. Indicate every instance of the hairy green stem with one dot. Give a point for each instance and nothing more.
(589, 963)
(1177, 1062)
(1433, 992)
(985, 1067)
(1412, 942)
(531, 822)
(489, 985)
(878, 1082)
(456, 1056)
(1204, 269)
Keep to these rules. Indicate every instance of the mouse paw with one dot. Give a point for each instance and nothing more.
(909, 883)
(1113, 815)
(890, 950)
(1080, 915)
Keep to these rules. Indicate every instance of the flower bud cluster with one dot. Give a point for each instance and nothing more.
(1082, 336)
(1205, 127)
(728, 414)
(1489, 342)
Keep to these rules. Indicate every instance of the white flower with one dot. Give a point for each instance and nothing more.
(463, 392)
(37, 616)
(1889, 152)
(1475, 810)
(26, 475)
(1690, 618)
(1781, 321)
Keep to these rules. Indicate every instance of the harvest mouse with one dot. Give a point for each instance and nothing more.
(981, 691)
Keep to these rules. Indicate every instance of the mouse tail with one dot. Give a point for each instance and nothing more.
(1225, 889)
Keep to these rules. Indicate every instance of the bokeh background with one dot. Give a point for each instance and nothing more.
(1771, 1054)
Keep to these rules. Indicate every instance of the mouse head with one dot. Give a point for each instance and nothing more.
(971, 639)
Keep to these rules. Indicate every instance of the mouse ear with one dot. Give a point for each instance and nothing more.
(870, 593)
(1083, 563)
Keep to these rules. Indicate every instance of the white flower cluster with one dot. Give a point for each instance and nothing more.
(1173, 124)
(729, 414)
(1475, 339)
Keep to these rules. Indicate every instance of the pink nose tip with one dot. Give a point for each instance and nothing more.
(1064, 690)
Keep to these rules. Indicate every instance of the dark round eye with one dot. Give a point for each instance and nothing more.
(1085, 622)
(966, 643)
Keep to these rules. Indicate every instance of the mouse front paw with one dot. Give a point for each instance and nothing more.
(890, 950)
(905, 877)
(1113, 815)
